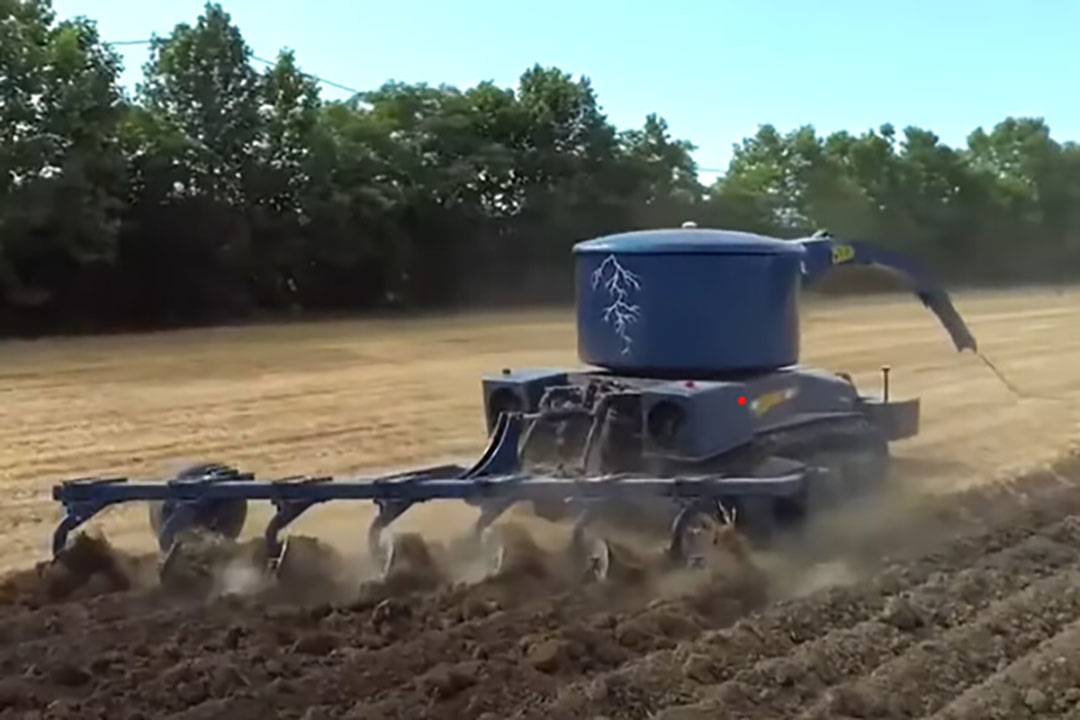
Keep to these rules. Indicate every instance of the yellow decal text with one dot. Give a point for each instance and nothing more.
(842, 254)
(764, 403)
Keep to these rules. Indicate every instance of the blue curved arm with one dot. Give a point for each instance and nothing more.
(823, 253)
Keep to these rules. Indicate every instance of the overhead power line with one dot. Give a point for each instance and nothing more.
(313, 77)
(331, 83)
(316, 78)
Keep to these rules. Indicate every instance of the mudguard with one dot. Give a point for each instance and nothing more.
(896, 419)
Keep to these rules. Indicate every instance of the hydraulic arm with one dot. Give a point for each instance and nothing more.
(823, 253)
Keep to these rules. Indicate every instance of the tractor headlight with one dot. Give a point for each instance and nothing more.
(664, 424)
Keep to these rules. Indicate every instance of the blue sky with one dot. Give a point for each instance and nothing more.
(714, 70)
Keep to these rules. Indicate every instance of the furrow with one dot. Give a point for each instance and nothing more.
(796, 650)
(927, 676)
(781, 687)
(1042, 684)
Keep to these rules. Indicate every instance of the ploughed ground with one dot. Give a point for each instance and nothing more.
(965, 605)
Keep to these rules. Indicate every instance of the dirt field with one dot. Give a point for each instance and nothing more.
(954, 596)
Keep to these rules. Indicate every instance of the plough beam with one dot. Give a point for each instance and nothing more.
(493, 484)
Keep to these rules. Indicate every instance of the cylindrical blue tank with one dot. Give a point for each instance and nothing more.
(687, 301)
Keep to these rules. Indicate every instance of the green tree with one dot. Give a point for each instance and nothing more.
(60, 165)
(279, 180)
(661, 175)
(219, 189)
(200, 83)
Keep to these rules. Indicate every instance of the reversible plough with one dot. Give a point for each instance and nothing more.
(692, 410)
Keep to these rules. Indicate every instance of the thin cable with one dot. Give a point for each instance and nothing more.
(313, 77)
(1004, 380)
(322, 80)
(1014, 389)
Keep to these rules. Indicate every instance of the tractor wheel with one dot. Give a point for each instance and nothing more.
(225, 517)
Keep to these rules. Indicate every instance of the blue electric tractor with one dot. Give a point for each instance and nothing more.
(691, 404)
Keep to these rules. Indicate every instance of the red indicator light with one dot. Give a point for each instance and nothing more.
(742, 400)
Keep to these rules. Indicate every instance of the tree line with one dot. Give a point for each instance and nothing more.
(217, 191)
